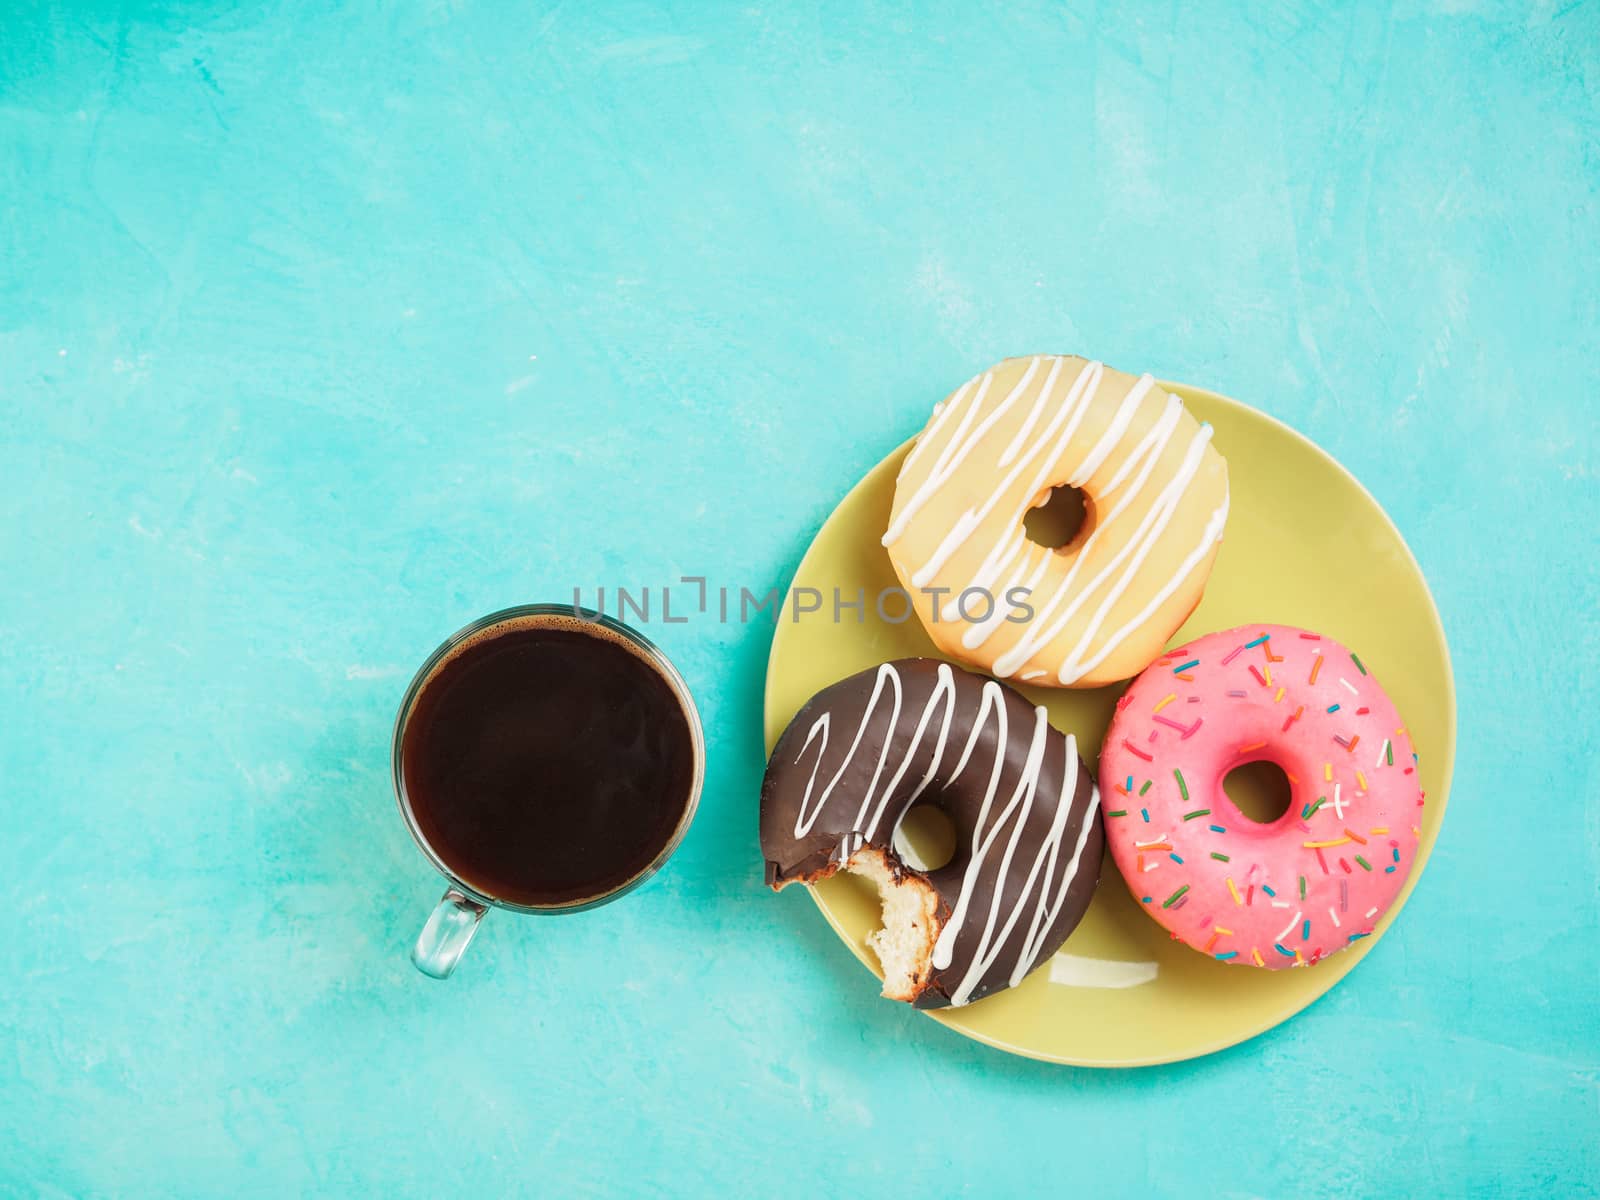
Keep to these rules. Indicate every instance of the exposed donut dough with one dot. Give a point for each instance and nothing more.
(864, 752)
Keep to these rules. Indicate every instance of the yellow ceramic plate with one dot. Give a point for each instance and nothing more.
(1305, 545)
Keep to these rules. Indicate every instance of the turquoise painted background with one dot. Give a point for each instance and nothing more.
(323, 331)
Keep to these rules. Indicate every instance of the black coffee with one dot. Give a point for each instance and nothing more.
(547, 762)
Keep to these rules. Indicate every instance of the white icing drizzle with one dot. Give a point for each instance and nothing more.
(941, 414)
(1072, 671)
(1044, 891)
(1007, 560)
(979, 631)
(984, 836)
(943, 466)
(956, 451)
(1043, 918)
(1142, 460)
(1079, 662)
(1015, 444)
(1120, 421)
(1048, 891)
(1065, 422)
(988, 569)
(946, 687)
(803, 824)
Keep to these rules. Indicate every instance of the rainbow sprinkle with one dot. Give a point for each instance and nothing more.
(1324, 837)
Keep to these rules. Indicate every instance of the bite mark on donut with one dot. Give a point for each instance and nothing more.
(903, 732)
(910, 922)
(912, 914)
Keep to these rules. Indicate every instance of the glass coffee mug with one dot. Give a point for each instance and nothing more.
(547, 759)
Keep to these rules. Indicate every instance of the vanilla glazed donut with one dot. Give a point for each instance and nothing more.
(1024, 807)
(1294, 890)
(1094, 611)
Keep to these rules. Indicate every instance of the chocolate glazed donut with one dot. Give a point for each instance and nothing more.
(1025, 809)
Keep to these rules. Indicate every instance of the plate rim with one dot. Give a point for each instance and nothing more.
(1359, 952)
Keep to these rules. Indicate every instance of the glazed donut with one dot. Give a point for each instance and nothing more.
(1294, 890)
(1024, 807)
(1100, 608)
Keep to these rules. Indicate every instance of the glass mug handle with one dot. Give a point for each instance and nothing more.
(447, 934)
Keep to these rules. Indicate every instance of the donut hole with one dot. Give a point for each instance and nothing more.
(925, 839)
(1062, 518)
(1259, 790)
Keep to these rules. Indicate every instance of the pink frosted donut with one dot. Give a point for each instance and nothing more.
(1297, 889)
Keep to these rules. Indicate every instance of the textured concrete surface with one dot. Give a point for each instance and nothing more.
(323, 332)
